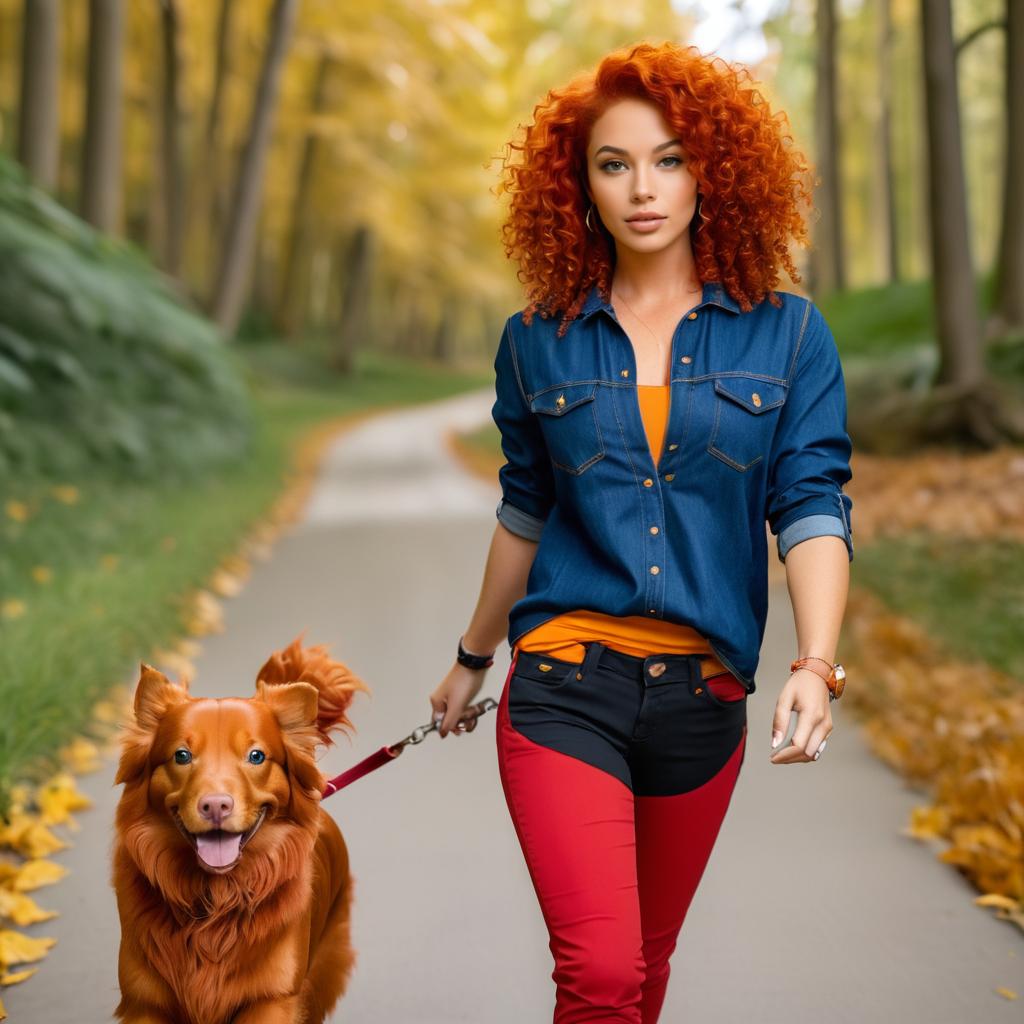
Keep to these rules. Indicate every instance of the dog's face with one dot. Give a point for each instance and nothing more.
(228, 776)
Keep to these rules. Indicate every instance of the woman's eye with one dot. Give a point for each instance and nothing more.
(605, 166)
(182, 756)
(257, 757)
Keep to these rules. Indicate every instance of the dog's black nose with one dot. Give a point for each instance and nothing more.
(215, 807)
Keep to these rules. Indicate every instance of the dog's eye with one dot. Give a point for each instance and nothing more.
(182, 756)
(257, 757)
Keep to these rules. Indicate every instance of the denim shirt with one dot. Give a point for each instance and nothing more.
(756, 433)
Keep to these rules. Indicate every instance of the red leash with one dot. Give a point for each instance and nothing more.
(388, 754)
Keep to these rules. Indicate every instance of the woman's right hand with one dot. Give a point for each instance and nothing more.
(453, 695)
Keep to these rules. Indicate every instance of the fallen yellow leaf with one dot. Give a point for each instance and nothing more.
(15, 977)
(12, 608)
(58, 798)
(81, 756)
(36, 873)
(1006, 993)
(22, 909)
(16, 948)
(17, 510)
(66, 493)
(29, 837)
(995, 899)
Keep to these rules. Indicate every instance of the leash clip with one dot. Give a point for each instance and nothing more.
(419, 734)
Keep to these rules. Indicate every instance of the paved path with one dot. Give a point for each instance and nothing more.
(814, 908)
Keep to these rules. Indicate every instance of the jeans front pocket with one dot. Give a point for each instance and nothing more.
(723, 689)
(568, 418)
(746, 412)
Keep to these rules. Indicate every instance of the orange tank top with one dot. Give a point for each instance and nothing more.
(562, 636)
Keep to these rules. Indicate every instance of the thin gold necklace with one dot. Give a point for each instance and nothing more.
(657, 343)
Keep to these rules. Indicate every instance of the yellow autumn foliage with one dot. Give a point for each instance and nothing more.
(961, 744)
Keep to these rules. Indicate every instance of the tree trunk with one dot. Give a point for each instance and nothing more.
(887, 219)
(207, 196)
(173, 205)
(236, 257)
(1008, 313)
(354, 264)
(101, 149)
(955, 298)
(827, 264)
(291, 303)
(38, 126)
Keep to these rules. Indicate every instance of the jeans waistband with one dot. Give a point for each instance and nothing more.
(652, 670)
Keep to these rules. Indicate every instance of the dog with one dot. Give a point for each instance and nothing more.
(232, 883)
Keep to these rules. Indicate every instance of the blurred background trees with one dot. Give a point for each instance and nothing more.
(326, 168)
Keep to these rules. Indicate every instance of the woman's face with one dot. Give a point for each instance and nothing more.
(635, 163)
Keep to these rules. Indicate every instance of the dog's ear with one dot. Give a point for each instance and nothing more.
(294, 705)
(154, 694)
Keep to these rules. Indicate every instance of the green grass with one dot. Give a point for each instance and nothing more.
(87, 629)
(968, 593)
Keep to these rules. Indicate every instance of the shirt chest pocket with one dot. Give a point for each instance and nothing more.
(568, 418)
(746, 411)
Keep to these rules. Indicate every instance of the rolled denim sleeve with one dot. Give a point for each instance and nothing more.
(810, 457)
(526, 479)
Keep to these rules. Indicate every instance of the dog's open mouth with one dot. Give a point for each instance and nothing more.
(219, 850)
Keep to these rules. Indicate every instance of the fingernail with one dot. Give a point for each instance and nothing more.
(776, 738)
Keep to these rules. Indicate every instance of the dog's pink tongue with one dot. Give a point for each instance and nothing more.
(218, 849)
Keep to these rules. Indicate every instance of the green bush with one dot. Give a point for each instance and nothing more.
(101, 366)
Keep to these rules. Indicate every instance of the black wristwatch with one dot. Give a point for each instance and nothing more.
(474, 660)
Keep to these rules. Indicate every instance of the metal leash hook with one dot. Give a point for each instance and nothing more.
(385, 755)
(419, 734)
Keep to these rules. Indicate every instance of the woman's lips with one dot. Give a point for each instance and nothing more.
(647, 225)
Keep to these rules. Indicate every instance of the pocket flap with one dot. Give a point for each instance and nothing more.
(558, 401)
(754, 394)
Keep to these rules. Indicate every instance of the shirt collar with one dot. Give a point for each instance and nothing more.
(714, 293)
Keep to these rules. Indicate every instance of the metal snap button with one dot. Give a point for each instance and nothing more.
(670, 476)
(756, 398)
(544, 668)
(657, 668)
(692, 316)
(672, 447)
(655, 570)
(625, 373)
(700, 689)
(560, 401)
(654, 529)
(686, 359)
(648, 482)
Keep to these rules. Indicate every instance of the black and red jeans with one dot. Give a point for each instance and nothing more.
(617, 772)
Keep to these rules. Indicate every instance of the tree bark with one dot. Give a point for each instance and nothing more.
(236, 257)
(828, 272)
(38, 126)
(1008, 313)
(955, 298)
(101, 150)
(291, 303)
(207, 196)
(173, 205)
(887, 219)
(354, 264)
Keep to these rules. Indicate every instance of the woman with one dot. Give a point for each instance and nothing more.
(662, 407)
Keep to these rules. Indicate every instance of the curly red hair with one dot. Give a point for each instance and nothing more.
(748, 178)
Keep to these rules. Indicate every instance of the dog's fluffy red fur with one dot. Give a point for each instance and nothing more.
(266, 937)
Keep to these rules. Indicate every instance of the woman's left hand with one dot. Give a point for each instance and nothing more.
(807, 694)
